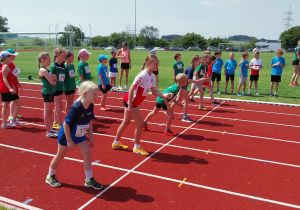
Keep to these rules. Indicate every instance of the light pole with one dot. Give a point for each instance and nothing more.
(134, 23)
(80, 34)
(90, 32)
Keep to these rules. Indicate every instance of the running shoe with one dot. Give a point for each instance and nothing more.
(140, 151)
(186, 119)
(52, 181)
(215, 103)
(145, 128)
(202, 108)
(104, 108)
(55, 125)
(119, 146)
(93, 184)
(168, 132)
(51, 135)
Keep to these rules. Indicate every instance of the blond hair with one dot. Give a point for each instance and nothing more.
(85, 87)
(41, 57)
(180, 77)
(58, 51)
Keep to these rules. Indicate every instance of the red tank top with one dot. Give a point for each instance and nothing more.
(11, 77)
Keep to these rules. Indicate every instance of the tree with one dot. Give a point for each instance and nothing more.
(100, 41)
(215, 42)
(77, 36)
(116, 39)
(290, 37)
(38, 42)
(162, 43)
(193, 40)
(148, 36)
(3, 24)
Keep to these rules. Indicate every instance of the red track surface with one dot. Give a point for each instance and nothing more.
(237, 156)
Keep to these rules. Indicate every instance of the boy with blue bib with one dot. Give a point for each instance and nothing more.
(277, 64)
(216, 71)
(103, 80)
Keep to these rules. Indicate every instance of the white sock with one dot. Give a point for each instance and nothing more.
(88, 174)
(51, 172)
(137, 146)
(116, 142)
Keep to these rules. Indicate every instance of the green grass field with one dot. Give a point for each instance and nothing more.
(27, 62)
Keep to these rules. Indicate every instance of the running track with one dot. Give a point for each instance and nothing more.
(235, 156)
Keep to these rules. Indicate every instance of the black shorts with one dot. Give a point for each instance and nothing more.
(126, 104)
(230, 76)
(108, 87)
(275, 78)
(216, 76)
(69, 92)
(58, 92)
(155, 72)
(48, 98)
(254, 77)
(125, 66)
(161, 106)
(8, 97)
(296, 62)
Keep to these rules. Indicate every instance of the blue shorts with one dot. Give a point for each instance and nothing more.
(63, 141)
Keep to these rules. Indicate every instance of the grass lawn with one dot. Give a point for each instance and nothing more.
(27, 62)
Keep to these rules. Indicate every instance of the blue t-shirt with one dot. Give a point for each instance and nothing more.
(277, 70)
(244, 67)
(189, 72)
(103, 71)
(113, 63)
(78, 118)
(230, 66)
(217, 67)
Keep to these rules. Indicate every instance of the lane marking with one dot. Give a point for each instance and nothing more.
(17, 203)
(162, 178)
(181, 183)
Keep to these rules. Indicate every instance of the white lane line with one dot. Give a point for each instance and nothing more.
(17, 203)
(196, 115)
(198, 129)
(143, 161)
(223, 108)
(162, 178)
(27, 201)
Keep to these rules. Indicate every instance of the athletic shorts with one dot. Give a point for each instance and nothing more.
(108, 87)
(275, 78)
(58, 92)
(8, 97)
(254, 77)
(215, 76)
(164, 107)
(243, 80)
(126, 104)
(296, 62)
(113, 74)
(48, 98)
(230, 76)
(63, 141)
(69, 92)
(125, 66)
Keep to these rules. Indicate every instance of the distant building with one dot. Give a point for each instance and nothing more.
(268, 46)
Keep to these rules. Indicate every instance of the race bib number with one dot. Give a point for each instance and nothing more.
(87, 69)
(16, 72)
(115, 65)
(71, 73)
(81, 130)
(179, 66)
(61, 77)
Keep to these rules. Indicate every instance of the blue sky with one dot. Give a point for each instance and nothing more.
(210, 18)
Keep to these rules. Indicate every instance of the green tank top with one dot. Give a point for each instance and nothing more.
(297, 49)
(47, 87)
(70, 83)
(84, 71)
(59, 71)
(172, 89)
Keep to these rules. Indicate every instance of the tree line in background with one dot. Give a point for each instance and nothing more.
(148, 37)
